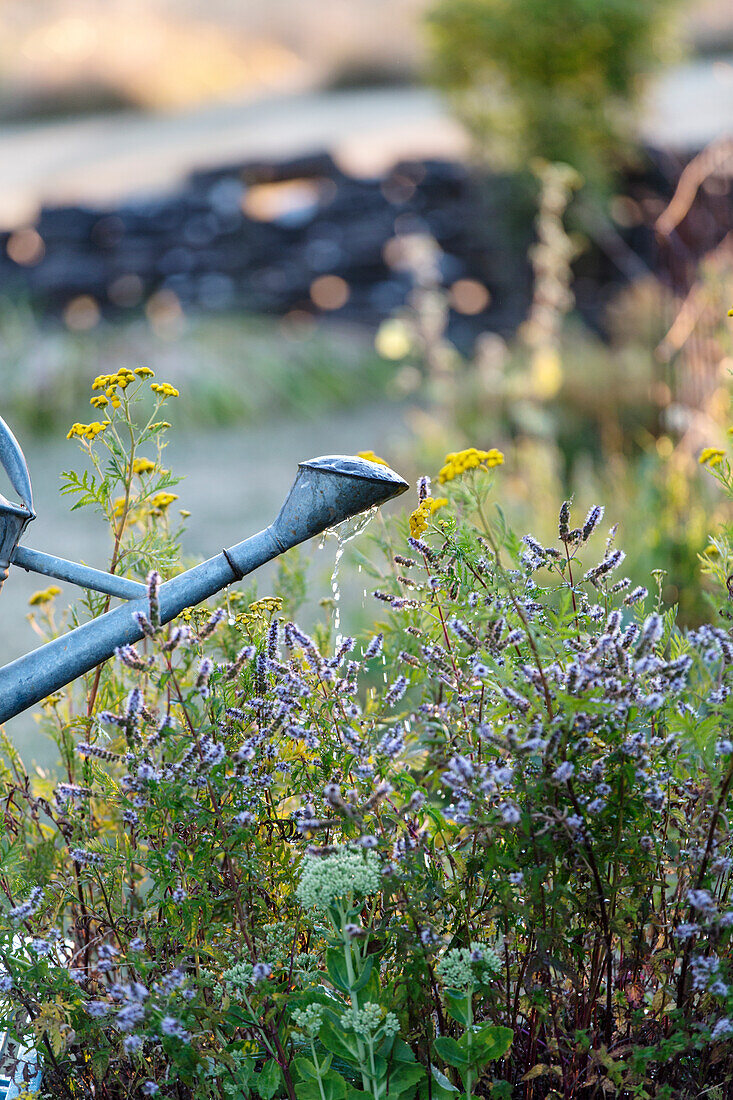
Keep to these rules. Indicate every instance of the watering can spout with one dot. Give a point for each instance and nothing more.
(330, 489)
(326, 491)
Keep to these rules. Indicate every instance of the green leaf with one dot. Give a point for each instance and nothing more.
(268, 1080)
(401, 1052)
(492, 1041)
(336, 966)
(363, 978)
(448, 1050)
(305, 1068)
(442, 1082)
(336, 1041)
(456, 1004)
(404, 1077)
(371, 990)
(334, 1088)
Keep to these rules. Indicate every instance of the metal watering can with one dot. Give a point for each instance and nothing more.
(325, 492)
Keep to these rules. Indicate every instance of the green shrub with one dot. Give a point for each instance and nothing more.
(554, 80)
(484, 852)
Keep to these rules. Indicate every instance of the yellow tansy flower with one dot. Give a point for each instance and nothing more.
(371, 457)
(102, 381)
(142, 466)
(711, 456)
(76, 430)
(100, 401)
(94, 429)
(421, 515)
(162, 500)
(164, 389)
(45, 595)
(458, 462)
(145, 372)
(123, 378)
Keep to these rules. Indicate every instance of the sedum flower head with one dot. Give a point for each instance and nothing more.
(309, 1019)
(239, 977)
(343, 874)
(462, 967)
(370, 1020)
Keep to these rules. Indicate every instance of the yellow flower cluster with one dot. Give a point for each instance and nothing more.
(122, 378)
(472, 459)
(110, 383)
(162, 500)
(421, 515)
(139, 510)
(164, 389)
(45, 595)
(142, 466)
(262, 609)
(711, 456)
(87, 431)
(371, 457)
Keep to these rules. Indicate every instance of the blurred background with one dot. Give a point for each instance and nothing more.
(406, 226)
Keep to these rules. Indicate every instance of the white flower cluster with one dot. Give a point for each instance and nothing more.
(239, 977)
(463, 967)
(370, 1020)
(309, 1019)
(344, 873)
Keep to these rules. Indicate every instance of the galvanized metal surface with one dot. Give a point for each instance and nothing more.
(326, 491)
(14, 518)
(14, 464)
(83, 575)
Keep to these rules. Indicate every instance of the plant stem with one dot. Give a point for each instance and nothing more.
(318, 1069)
(354, 999)
(469, 1036)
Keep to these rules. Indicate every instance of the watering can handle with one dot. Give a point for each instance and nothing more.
(14, 464)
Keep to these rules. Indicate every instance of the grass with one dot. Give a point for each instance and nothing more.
(230, 369)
